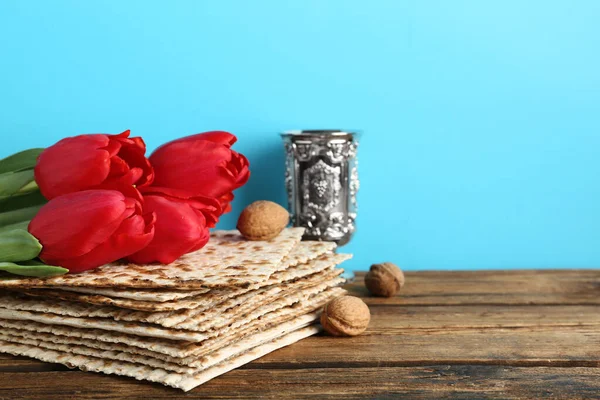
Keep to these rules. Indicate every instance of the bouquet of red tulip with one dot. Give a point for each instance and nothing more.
(89, 200)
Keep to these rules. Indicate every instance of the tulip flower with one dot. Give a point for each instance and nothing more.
(203, 165)
(182, 224)
(97, 161)
(84, 230)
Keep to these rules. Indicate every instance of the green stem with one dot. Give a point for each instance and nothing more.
(20, 215)
(9, 203)
(30, 187)
(25, 159)
(32, 268)
(12, 182)
(18, 225)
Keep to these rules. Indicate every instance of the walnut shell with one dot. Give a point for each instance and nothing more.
(262, 220)
(345, 316)
(384, 279)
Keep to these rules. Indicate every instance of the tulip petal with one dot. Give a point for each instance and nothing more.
(112, 148)
(178, 194)
(73, 224)
(192, 166)
(203, 239)
(242, 168)
(138, 142)
(210, 207)
(118, 167)
(73, 164)
(226, 208)
(225, 202)
(134, 154)
(217, 137)
(131, 177)
(122, 135)
(132, 235)
(199, 153)
(178, 230)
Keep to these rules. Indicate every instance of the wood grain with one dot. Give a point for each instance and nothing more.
(467, 335)
(433, 381)
(541, 287)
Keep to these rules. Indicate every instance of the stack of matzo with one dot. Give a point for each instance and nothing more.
(181, 324)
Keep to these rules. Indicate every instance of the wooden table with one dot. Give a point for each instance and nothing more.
(467, 335)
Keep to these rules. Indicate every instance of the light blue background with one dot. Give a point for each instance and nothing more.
(481, 118)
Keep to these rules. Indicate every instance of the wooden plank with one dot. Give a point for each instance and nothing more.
(10, 363)
(527, 346)
(396, 319)
(500, 335)
(492, 287)
(465, 334)
(426, 382)
(516, 347)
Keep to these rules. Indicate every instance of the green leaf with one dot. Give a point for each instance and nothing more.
(18, 245)
(32, 268)
(17, 201)
(13, 182)
(30, 187)
(19, 161)
(14, 216)
(19, 225)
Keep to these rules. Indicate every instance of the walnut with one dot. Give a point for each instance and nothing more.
(262, 220)
(384, 279)
(345, 316)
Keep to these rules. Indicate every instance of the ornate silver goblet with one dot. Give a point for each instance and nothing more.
(322, 181)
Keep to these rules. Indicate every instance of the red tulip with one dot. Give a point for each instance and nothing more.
(203, 165)
(96, 161)
(84, 230)
(182, 223)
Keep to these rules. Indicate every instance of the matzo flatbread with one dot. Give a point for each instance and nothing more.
(114, 352)
(241, 316)
(183, 365)
(53, 312)
(180, 351)
(209, 309)
(200, 302)
(213, 318)
(227, 260)
(143, 295)
(300, 254)
(182, 319)
(142, 372)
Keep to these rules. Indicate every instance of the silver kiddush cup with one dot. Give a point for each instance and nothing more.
(321, 179)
